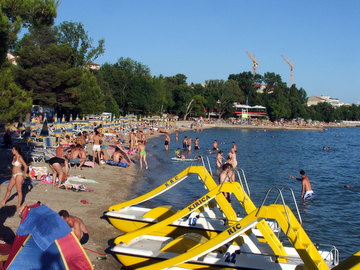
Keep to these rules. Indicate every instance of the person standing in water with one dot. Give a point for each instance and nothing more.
(167, 141)
(306, 191)
(227, 175)
(196, 144)
(17, 177)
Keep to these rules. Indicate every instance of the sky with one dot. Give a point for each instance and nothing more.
(208, 39)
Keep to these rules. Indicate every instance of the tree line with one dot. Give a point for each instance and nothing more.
(51, 71)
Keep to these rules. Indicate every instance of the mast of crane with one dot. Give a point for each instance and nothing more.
(291, 69)
(255, 63)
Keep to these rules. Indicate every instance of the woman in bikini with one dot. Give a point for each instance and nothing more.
(17, 177)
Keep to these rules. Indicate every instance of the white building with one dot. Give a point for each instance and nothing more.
(314, 100)
(11, 58)
(92, 66)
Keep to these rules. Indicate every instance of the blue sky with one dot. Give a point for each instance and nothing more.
(208, 39)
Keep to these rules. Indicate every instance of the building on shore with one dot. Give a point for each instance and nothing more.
(246, 111)
(92, 66)
(315, 100)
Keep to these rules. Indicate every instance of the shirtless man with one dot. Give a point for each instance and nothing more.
(96, 147)
(184, 142)
(142, 154)
(306, 190)
(227, 175)
(82, 156)
(77, 226)
(74, 156)
(232, 158)
(167, 141)
(80, 139)
(117, 156)
(132, 139)
(188, 144)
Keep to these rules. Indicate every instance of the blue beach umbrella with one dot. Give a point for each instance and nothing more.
(45, 129)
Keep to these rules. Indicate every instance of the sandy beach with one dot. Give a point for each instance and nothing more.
(114, 185)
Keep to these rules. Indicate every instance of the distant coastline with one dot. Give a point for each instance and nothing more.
(272, 126)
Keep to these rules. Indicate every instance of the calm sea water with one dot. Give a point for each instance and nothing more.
(268, 158)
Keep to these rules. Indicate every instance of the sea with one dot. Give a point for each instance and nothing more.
(268, 158)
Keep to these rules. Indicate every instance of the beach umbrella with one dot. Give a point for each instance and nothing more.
(27, 128)
(45, 129)
(69, 129)
(33, 124)
(57, 127)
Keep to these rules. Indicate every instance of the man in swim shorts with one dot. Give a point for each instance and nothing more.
(306, 190)
(96, 147)
(184, 143)
(167, 141)
(77, 226)
(74, 156)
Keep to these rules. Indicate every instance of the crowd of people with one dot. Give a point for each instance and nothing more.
(74, 152)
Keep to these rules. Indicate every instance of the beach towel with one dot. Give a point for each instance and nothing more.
(89, 164)
(120, 164)
(38, 171)
(80, 179)
(45, 233)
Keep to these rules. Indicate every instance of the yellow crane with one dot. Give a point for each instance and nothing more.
(255, 63)
(291, 69)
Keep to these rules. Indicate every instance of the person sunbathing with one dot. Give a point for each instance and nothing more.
(74, 156)
(117, 156)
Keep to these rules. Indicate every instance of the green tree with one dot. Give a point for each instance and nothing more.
(83, 50)
(14, 102)
(15, 14)
(247, 83)
(110, 103)
(323, 112)
(121, 77)
(183, 100)
(91, 98)
(44, 69)
(222, 95)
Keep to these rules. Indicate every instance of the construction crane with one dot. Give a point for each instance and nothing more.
(255, 63)
(291, 69)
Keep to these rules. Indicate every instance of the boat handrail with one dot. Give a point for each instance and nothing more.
(203, 159)
(279, 190)
(332, 251)
(241, 179)
(294, 200)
